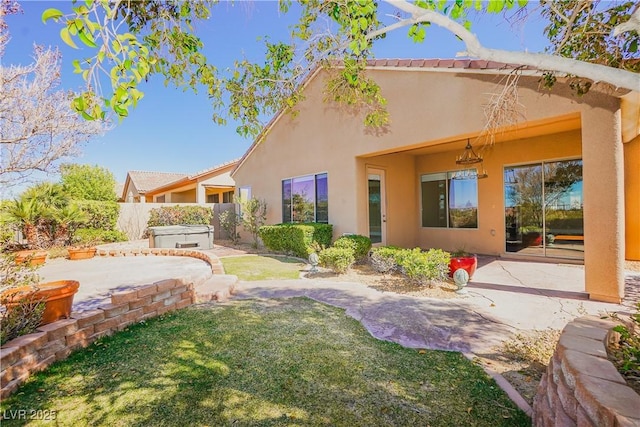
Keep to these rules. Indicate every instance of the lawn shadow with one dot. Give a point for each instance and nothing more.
(221, 378)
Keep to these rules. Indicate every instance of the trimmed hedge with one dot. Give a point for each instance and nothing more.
(337, 259)
(360, 245)
(180, 215)
(98, 237)
(101, 215)
(296, 239)
(421, 267)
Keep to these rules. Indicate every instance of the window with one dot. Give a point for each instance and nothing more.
(305, 199)
(160, 199)
(449, 201)
(227, 197)
(213, 198)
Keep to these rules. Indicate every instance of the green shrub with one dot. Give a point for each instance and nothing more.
(24, 317)
(179, 215)
(417, 265)
(84, 236)
(626, 350)
(296, 239)
(100, 215)
(383, 259)
(361, 245)
(337, 259)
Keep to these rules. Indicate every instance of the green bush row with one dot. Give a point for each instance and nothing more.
(296, 239)
(97, 237)
(179, 215)
(419, 266)
(100, 215)
(337, 259)
(345, 251)
(360, 245)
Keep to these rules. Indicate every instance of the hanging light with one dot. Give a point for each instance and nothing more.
(468, 157)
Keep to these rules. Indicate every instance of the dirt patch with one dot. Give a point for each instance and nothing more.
(365, 274)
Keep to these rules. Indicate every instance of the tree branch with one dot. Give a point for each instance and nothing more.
(598, 73)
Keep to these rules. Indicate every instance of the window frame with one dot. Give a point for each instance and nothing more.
(290, 181)
(448, 177)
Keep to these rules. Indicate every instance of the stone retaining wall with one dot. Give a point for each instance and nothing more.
(214, 261)
(581, 386)
(20, 357)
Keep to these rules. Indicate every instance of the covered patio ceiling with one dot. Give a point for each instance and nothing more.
(458, 142)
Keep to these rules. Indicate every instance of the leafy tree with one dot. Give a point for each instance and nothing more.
(38, 128)
(88, 182)
(590, 40)
(254, 214)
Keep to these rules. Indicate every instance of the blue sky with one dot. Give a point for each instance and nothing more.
(171, 130)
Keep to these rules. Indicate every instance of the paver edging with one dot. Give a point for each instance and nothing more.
(581, 386)
(24, 355)
(211, 259)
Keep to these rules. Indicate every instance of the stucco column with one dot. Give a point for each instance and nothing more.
(200, 193)
(603, 186)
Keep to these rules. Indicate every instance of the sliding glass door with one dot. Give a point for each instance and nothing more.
(543, 209)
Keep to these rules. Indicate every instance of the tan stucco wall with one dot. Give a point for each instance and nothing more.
(489, 237)
(401, 204)
(186, 196)
(632, 198)
(428, 109)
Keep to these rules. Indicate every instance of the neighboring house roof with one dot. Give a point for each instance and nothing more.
(194, 178)
(213, 169)
(435, 65)
(144, 181)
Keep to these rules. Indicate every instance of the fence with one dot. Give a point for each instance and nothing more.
(133, 217)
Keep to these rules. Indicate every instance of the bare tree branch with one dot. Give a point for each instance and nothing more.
(38, 128)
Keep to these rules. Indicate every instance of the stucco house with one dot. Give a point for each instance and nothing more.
(213, 185)
(138, 183)
(561, 185)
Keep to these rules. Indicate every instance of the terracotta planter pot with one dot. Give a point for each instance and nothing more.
(31, 257)
(81, 253)
(468, 263)
(57, 296)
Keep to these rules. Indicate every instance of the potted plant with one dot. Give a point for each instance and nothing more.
(57, 298)
(462, 259)
(69, 219)
(82, 247)
(31, 257)
(84, 251)
(28, 303)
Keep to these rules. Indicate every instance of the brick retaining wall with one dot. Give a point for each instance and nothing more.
(212, 260)
(20, 357)
(581, 386)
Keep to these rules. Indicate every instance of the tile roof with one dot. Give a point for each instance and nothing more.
(145, 181)
(467, 64)
(213, 169)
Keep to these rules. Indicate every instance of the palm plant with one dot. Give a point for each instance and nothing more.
(28, 214)
(67, 220)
